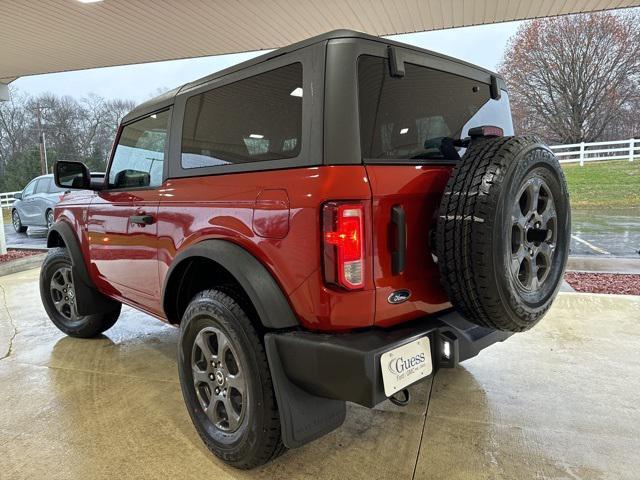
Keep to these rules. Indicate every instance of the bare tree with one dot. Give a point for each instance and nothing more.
(574, 78)
(75, 130)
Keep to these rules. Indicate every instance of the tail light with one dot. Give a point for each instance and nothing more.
(343, 244)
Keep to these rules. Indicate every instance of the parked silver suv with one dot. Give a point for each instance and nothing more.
(34, 205)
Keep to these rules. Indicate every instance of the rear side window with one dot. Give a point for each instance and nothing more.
(251, 120)
(53, 188)
(417, 117)
(139, 157)
(43, 185)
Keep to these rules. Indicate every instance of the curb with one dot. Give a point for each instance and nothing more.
(22, 264)
(600, 264)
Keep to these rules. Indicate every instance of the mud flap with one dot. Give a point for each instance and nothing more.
(304, 417)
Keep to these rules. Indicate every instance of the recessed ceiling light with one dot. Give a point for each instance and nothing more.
(256, 135)
(89, 1)
(403, 131)
(297, 92)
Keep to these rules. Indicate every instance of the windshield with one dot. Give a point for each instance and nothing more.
(419, 116)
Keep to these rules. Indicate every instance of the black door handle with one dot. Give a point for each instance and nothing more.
(141, 219)
(399, 254)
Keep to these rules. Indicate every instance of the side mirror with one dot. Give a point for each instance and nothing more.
(18, 196)
(72, 175)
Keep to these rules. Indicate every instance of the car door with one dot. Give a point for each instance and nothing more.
(27, 209)
(122, 219)
(40, 203)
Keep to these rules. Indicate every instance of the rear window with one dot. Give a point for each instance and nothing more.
(417, 117)
(255, 119)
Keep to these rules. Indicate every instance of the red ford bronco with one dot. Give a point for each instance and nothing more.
(330, 222)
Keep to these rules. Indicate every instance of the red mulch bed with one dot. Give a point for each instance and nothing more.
(616, 283)
(16, 254)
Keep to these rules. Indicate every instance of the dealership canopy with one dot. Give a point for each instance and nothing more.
(57, 35)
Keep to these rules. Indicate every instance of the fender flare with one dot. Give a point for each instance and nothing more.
(88, 299)
(72, 245)
(265, 294)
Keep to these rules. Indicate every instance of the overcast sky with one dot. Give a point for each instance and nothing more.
(482, 45)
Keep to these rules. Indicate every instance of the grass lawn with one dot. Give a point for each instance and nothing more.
(614, 184)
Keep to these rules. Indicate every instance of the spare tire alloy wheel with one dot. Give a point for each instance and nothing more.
(533, 234)
(218, 379)
(503, 232)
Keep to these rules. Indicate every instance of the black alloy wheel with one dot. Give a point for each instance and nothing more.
(218, 379)
(63, 294)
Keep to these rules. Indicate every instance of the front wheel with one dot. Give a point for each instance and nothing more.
(226, 382)
(17, 222)
(58, 294)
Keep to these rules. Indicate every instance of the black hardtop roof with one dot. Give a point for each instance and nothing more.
(166, 99)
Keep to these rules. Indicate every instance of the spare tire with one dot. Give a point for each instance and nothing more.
(503, 232)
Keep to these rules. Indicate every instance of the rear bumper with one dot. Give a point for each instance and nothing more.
(314, 374)
(347, 366)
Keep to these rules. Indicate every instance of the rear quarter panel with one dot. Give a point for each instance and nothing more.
(223, 206)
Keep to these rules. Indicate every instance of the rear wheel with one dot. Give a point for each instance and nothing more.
(58, 294)
(226, 382)
(17, 222)
(50, 219)
(503, 233)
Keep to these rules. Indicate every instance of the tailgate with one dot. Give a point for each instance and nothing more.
(412, 192)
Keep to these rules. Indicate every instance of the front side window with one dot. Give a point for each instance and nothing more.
(420, 115)
(28, 190)
(139, 157)
(255, 119)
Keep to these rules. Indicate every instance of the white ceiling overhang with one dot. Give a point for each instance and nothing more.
(58, 35)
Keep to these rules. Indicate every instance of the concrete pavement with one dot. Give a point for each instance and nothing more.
(34, 237)
(560, 401)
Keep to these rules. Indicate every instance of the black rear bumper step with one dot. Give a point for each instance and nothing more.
(315, 373)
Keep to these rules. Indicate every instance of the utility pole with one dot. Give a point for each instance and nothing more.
(43, 148)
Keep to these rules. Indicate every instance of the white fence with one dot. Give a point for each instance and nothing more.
(598, 151)
(6, 199)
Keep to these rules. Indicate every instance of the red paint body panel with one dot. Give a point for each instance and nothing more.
(275, 216)
(226, 207)
(418, 189)
(271, 214)
(124, 255)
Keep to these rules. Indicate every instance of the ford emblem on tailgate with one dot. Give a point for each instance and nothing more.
(399, 296)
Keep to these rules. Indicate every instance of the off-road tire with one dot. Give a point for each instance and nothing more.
(478, 232)
(85, 326)
(257, 439)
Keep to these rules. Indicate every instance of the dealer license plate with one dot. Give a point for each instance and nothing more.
(405, 365)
